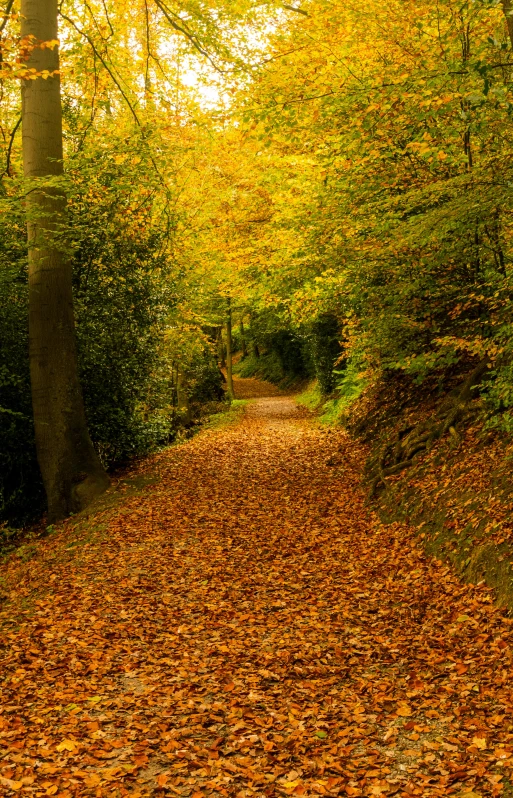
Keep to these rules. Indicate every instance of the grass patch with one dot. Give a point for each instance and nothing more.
(333, 410)
(228, 416)
(311, 397)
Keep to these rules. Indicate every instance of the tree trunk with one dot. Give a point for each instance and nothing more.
(229, 362)
(184, 408)
(72, 472)
(243, 339)
(508, 13)
(221, 353)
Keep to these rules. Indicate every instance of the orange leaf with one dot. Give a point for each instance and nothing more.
(10, 784)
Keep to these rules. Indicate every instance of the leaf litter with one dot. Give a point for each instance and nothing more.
(246, 626)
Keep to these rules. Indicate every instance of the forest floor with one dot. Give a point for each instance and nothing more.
(241, 624)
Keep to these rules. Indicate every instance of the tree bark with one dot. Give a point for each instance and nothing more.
(229, 360)
(221, 353)
(184, 408)
(72, 472)
(243, 340)
(508, 13)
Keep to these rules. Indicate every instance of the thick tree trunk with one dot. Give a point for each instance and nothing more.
(229, 361)
(72, 472)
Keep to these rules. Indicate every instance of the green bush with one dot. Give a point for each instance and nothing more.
(323, 341)
(267, 367)
(21, 488)
(124, 288)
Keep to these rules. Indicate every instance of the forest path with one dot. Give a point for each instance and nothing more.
(245, 627)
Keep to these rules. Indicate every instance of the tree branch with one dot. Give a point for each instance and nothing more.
(6, 14)
(103, 61)
(118, 86)
(297, 10)
(188, 35)
(7, 170)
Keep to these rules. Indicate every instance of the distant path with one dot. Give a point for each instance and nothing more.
(251, 388)
(245, 627)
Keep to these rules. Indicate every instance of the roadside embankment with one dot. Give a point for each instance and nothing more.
(458, 492)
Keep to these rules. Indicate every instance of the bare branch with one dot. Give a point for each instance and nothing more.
(105, 64)
(7, 170)
(148, 47)
(6, 14)
(171, 18)
(108, 19)
(297, 10)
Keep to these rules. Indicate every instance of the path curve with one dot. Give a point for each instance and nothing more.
(246, 627)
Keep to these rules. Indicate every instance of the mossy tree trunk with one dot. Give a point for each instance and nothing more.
(72, 472)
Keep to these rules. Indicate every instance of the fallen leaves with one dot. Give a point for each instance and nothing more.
(67, 745)
(245, 627)
(10, 784)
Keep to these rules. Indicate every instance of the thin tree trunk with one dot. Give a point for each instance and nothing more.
(243, 339)
(229, 361)
(184, 408)
(221, 354)
(507, 6)
(72, 472)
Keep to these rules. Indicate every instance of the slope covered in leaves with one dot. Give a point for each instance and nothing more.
(245, 627)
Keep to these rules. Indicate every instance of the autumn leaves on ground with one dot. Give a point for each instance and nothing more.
(245, 626)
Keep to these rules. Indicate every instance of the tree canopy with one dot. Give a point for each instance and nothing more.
(335, 174)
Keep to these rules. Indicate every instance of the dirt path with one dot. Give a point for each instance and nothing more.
(245, 628)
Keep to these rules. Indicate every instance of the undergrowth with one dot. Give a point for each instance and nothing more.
(267, 367)
(332, 409)
(227, 415)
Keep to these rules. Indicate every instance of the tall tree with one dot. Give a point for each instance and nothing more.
(229, 350)
(72, 472)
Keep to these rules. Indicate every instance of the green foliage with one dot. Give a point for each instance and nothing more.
(323, 341)
(350, 384)
(289, 354)
(21, 489)
(120, 312)
(268, 367)
(311, 396)
(125, 287)
(205, 381)
(392, 198)
(283, 356)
